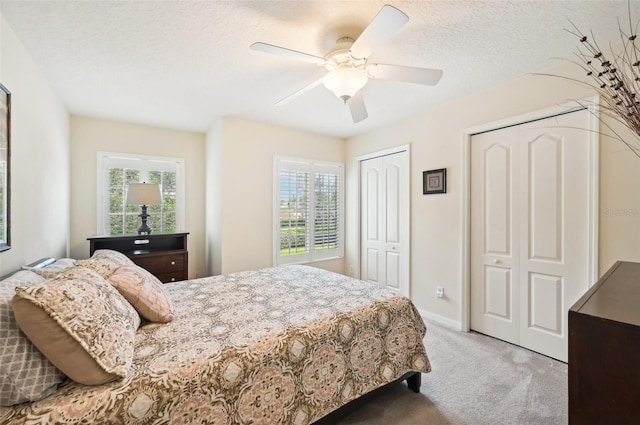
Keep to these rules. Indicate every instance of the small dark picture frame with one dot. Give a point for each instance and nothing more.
(434, 181)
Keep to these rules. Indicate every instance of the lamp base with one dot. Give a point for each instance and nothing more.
(144, 228)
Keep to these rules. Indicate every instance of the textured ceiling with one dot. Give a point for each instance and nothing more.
(181, 64)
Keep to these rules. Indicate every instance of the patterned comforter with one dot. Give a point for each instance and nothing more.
(284, 345)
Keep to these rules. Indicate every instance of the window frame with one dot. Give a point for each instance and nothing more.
(107, 160)
(313, 167)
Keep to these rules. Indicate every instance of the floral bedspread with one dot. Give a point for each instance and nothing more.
(284, 345)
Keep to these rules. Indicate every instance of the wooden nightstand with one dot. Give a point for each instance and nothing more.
(164, 255)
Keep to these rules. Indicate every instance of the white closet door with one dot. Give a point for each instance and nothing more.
(530, 230)
(554, 235)
(384, 211)
(495, 260)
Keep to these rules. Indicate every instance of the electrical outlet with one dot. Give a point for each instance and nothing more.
(440, 292)
(351, 269)
(197, 274)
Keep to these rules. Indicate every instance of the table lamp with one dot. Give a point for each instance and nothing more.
(144, 194)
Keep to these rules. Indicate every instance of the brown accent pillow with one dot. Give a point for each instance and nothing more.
(144, 291)
(81, 324)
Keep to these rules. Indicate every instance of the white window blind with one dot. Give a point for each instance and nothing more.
(308, 213)
(116, 171)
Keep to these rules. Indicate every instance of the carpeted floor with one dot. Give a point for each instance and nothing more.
(475, 380)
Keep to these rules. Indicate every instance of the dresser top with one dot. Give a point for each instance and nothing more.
(616, 296)
(135, 236)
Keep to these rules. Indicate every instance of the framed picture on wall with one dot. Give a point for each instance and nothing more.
(434, 181)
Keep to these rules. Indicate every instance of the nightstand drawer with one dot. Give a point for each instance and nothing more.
(162, 263)
(167, 267)
(169, 277)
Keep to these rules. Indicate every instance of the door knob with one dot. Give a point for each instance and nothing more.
(496, 261)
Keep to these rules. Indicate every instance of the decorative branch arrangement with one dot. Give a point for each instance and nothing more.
(616, 78)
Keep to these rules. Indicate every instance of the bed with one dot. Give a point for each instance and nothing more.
(282, 345)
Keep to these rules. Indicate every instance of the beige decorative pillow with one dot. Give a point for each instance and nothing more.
(52, 270)
(115, 256)
(81, 324)
(144, 291)
(105, 262)
(103, 266)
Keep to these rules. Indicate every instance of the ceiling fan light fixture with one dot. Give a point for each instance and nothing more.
(345, 81)
(348, 66)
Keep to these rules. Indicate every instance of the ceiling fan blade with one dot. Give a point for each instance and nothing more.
(357, 108)
(283, 51)
(409, 74)
(299, 92)
(384, 25)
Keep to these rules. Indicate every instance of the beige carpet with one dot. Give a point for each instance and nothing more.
(475, 380)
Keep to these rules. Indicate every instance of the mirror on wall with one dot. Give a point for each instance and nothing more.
(5, 175)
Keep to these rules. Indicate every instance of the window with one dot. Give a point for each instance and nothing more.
(116, 171)
(308, 213)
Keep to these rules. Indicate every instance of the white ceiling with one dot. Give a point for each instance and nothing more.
(181, 64)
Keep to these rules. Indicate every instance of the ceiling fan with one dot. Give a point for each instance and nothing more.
(347, 63)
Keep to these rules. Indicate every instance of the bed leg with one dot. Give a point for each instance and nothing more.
(414, 382)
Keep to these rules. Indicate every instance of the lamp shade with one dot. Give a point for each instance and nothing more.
(345, 81)
(144, 194)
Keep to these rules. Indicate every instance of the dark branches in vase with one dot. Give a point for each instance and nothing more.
(615, 76)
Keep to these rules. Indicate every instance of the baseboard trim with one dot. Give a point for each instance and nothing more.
(445, 321)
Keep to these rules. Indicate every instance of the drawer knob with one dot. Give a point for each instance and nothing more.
(173, 279)
(173, 263)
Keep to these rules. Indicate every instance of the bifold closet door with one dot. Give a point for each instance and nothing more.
(495, 258)
(384, 232)
(530, 230)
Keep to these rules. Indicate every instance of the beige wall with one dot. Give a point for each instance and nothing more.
(39, 159)
(436, 142)
(214, 198)
(619, 200)
(246, 187)
(89, 136)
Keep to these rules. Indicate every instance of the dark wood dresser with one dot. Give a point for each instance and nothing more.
(604, 350)
(164, 255)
